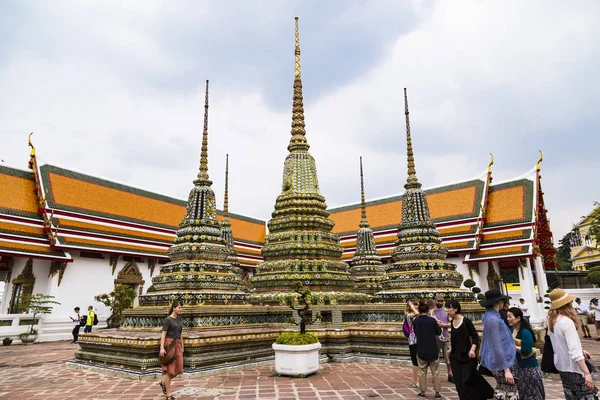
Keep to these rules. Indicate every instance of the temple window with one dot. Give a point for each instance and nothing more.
(588, 240)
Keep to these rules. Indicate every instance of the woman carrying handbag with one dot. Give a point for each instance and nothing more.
(171, 348)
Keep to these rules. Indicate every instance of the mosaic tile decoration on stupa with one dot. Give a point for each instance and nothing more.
(227, 325)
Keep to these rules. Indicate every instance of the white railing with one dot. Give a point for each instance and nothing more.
(49, 328)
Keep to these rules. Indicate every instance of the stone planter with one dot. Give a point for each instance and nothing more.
(296, 360)
(27, 339)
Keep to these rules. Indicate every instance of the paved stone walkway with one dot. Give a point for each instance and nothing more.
(37, 372)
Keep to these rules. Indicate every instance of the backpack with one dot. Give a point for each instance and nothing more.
(82, 321)
(95, 319)
(406, 328)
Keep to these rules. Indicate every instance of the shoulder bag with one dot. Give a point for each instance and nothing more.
(548, 356)
(170, 353)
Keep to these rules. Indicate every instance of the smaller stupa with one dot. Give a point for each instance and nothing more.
(226, 232)
(366, 264)
(199, 271)
(420, 269)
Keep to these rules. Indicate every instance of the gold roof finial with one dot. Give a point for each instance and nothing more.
(32, 154)
(537, 165)
(491, 163)
(226, 199)
(203, 174)
(363, 208)
(297, 51)
(298, 141)
(412, 180)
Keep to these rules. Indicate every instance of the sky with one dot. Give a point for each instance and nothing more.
(115, 89)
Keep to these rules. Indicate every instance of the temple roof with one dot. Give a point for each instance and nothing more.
(21, 228)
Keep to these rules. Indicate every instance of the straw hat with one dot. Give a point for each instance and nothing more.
(559, 298)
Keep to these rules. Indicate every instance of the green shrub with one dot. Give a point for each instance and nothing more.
(593, 277)
(297, 338)
(480, 296)
(151, 289)
(594, 269)
(469, 283)
(476, 290)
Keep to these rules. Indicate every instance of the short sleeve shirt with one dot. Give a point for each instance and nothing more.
(173, 327)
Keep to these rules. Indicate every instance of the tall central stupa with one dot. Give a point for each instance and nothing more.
(420, 269)
(300, 245)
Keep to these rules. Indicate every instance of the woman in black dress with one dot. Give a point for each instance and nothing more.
(464, 340)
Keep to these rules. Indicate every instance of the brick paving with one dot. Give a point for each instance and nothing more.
(37, 372)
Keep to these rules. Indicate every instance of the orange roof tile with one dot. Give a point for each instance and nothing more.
(91, 227)
(101, 245)
(443, 205)
(6, 246)
(456, 230)
(504, 236)
(454, 245)
(19, 228)
(88, 197)
(18, 191)
(501, 205)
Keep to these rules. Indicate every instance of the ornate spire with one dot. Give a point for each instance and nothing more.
(537, 164)
(300, 245)
(420, 269)
(203, 173)
(298, 141)
(411, 180)
(226, 197)
(363, 208)
(366, 264)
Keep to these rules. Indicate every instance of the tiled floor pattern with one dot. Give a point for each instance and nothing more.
(38, 372)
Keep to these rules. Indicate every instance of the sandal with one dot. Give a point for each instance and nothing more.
(162, 386)
(171, 397)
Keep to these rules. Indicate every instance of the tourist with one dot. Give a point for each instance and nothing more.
(76, 318)
(171, 332)
(527, 372)
(439, 313)
(596, 310)
(504, 312)
(498, 350)
(464, 340)
(569, 357)
(523, 306)
(410, 313)
(582, 311)
(89, 322)
(427, 330)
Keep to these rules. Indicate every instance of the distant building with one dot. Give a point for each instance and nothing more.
(584, 251)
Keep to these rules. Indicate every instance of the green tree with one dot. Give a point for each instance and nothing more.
(563, 252)
(119, 299)
(37, 304)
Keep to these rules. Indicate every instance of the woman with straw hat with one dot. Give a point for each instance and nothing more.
(498, 350)
(569, 357)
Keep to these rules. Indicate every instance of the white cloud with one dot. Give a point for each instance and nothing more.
(482, 76)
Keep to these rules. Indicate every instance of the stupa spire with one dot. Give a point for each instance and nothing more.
(203, 173)
(366, 267)
(298, 142)
(300, 246)
(420, 269)
(411, 180)
(363, 208)
(226, 196)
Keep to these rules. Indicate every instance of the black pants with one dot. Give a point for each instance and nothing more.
(87, 329)
(76, 332)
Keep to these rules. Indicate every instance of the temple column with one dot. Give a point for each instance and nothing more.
(540, 276)
(528, 292)
(481, 278)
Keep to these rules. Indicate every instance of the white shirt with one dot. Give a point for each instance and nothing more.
(76, 319)
(566, 345)
(524, 308)
(581, 308)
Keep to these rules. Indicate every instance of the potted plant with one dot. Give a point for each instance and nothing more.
(297, 353)
(6, 341)
(35, 304)
(119, 299)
